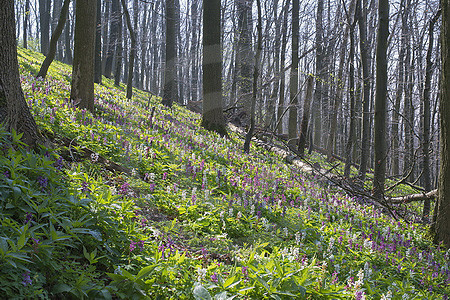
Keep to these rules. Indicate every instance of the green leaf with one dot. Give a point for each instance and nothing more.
(62, 288)
(144, 271)
(200, 293)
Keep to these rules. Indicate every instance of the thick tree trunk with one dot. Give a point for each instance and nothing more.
(381, 99)
(44, 20)
(14, 112)
(212, 116)
(443, 216)
(82, 89)
(54, 40)
(170, 85)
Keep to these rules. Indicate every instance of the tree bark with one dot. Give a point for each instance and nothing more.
(249, 135)
(426, 179)
(82, 89)
(293, 84)
(44, 22)
(14, 112)
(364, 47)
(132, 50)
(115, 18)
(98, 45)
(170, 86)
(54, 40)
(305, 118)
(443, 216)
(25, 23)
(279, 128)
(119, 51)
(212, 116)
(319, 74)
(381, 99)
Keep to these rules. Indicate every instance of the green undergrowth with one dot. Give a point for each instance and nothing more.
(190, 217)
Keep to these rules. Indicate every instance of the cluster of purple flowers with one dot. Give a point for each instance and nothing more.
(43, 182)
(133, 245)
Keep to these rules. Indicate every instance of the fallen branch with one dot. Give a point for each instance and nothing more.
(414, 197)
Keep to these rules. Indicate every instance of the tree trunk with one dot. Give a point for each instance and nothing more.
(44, 20)
(132, 50)
(14, 112)
(115, 18)
(212, 116)
(68, 58)
(364, 47)
(119, 50)
(25, 23)
(82, 89)
(381, 99)
(54, 40)
(244, 55)
(426, 178)
(170, 84)
(293, 84)
(319, 74)
(351, 87)
(305, 119)
(98, 45)
(281, 93)
(443, 216)
(249, 135)
(194, 51)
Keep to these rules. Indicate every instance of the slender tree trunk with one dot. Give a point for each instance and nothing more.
(132, 50)
(305, 118)
(426, 179)
(293, 84)
(249, 135)
(25, 23)
(194, 51)
(119, 51)
(364, 47)
(380, 99)
(105, 27)
(351, 87)
(282, 74)
(14, 112)
(67, 40)
(54, 40)
(113, 33)
(82, 89)
(319, 74)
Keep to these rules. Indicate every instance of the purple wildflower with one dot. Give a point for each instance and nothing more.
(132, 246)
(164, 176)
(26, 278)
(141, 245)
(6, 173)
(204, 252)
(58, 164)
(245, 272)
(28, 217)
(214, 278)
(85, 187)
(123, 190)
(43, 182)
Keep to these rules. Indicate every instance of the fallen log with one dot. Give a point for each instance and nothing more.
(414, 197)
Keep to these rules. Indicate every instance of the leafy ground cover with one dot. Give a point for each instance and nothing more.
(191, 216)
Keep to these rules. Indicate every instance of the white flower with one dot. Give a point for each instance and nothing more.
(298, 237)
(286, 232)
(94, 157)
(201, 273)
(230, 211)
(239, 215)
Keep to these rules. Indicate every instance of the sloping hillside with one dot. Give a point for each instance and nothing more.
(136, 203)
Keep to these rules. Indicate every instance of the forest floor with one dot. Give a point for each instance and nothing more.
(135, 204)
